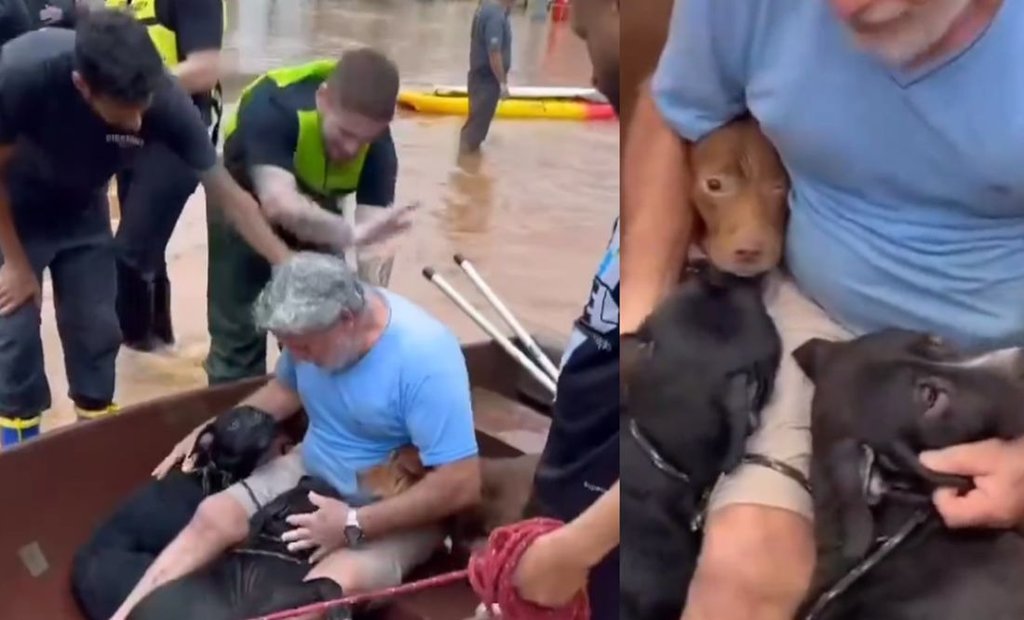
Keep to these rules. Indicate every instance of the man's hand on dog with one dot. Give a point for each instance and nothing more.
(997, 467)
(181, 453)
(322, 529)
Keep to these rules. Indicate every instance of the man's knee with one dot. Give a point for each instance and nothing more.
(756, 561)
(24, 390)
(358, 571)
(221, 519)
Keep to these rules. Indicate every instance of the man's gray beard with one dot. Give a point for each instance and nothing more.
(924, 28)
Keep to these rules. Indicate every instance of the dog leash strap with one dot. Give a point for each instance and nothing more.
(786, 470)
(880, 553)
(652, 453)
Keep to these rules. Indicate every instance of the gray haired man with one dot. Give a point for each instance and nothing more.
(356, 358)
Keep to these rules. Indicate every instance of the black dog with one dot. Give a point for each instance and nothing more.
(108, 566)
(694, 381)
(879, 401)
(258, 578)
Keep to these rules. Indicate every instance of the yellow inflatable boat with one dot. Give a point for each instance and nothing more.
(524, 102)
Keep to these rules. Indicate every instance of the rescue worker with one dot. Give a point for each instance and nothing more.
(152, 192)
(301, 139)
(74, 107)
(490, 58)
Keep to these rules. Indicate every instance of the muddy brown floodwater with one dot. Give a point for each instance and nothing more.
(533, 213)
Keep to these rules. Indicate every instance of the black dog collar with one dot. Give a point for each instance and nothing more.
(652, 453)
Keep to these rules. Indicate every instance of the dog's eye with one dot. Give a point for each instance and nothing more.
(713, 184)
(927, 394)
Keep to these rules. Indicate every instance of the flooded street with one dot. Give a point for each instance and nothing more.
(533, 212)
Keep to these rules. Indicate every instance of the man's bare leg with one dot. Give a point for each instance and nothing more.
(756, 564)
(219, 522)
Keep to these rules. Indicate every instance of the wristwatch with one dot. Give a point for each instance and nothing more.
(353, 531)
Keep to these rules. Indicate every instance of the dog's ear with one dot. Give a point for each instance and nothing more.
(812, 355)
(857, 527)
(738, 403)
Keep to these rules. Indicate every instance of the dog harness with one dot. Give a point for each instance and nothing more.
(875, 488)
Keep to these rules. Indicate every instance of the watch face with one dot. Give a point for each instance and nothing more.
(353, 534)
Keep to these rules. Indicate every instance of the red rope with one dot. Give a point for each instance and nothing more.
(490, 574)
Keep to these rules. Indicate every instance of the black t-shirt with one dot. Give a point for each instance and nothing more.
(268, 132)
(14, 19)
(63, 148)
(199, 25)
(581, 458)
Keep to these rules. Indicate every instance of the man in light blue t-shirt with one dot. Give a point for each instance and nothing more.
(374, 372)
(900, 125)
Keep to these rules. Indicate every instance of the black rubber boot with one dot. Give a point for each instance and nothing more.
(163, 327)
(135, 309)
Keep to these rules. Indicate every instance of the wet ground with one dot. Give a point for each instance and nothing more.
(533, 212)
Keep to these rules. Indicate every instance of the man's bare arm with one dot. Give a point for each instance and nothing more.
(10, 243)
(275, 398)
(284, 204)
(657, 217)
(244, 213)
(498, 66)
(595, 532)
(443, 492)
(199, 72)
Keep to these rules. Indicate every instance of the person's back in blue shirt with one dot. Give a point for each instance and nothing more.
(412, 387)
(907, 200)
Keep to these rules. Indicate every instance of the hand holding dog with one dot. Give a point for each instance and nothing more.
(997, 467)
(322, 529)
(180, 453)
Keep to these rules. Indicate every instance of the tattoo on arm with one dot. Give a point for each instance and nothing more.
(284, 204)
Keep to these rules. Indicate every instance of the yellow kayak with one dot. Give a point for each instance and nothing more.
(457, 104)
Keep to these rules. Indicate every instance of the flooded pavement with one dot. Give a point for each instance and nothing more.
(533, 212)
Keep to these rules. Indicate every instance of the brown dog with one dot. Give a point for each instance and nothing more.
(402, 470)
(506, 482)
(739, 192)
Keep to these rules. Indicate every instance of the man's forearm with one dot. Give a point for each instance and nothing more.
(595, 532)
(430, 500)
(657, 217)
(244, 213)
(10, 243)
(286, 206)
(498, 66)
(313, 224)
(199, 72)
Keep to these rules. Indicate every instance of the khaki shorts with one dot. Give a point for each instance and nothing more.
(785, 432)
(383, 562)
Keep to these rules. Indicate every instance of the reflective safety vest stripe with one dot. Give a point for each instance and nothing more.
(165, 41)
(312, 168)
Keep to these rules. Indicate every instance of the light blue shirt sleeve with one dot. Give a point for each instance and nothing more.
(438, 407)
(285, 371)
(701, 77)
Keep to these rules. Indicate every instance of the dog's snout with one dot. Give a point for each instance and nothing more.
(749, 253)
